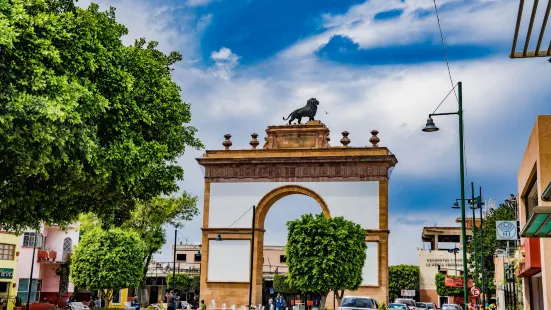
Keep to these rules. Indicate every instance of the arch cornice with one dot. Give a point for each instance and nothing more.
(276, 194)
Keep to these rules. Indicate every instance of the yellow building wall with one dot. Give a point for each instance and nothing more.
(124, 298)
(11, 264)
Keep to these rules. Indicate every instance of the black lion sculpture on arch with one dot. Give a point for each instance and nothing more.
(309, 110)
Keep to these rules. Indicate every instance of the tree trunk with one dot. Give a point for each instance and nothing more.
(143, 287)
(322, 301)
(145, 295)
(339, 296)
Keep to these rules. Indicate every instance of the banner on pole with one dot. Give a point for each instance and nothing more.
(506, 230)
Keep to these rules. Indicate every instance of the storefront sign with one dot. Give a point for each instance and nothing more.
(408, 293)
(456, 282)
(6, 273)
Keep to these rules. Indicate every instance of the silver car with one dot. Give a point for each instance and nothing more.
(359, 303)
(450, 307)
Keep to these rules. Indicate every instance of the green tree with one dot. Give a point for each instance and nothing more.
(507, 211)
(325, 254)
(108, 260)
(86, 123)
(281, 285)
(182, 282)
(195, 285)
(148, 220)
(402, 277)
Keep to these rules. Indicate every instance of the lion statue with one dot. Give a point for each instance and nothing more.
(309, 110)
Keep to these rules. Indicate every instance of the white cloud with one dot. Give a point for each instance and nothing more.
(225, 61)
(491, 24)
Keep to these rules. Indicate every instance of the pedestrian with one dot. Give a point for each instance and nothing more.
(271, 304)
(170, 301)
(279, 302)
(135, 304)
(92, 302)
(203, 306)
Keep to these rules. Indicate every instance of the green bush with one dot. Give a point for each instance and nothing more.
(382, 306)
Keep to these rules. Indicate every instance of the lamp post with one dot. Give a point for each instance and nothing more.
(480, 203)
(29, 291)
(454, 251)
(174, 265)
(430, 127)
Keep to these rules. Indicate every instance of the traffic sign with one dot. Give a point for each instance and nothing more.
(475, 292)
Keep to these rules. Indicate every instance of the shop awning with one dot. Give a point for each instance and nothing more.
(535, 31)
(539, 224)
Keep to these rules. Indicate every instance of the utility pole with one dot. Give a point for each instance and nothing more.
(29, 291)
(482, 257)
(174, 265)
(475, 260)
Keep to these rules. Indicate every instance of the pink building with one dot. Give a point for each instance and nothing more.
(50, 278)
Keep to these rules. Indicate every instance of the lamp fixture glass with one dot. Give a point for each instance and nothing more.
(219, 238)
(430, 127)
(455, 205)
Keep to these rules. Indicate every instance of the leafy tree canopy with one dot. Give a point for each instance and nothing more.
(402, 277)
(281, 285)
(108, 259)
(325, 254)
(86, 123)
(147, 220)
(505, 212)
(182, 282)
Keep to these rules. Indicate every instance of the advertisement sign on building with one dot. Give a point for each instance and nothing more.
(456, 282)
(6, 273)
(506, 230)
(408, 293)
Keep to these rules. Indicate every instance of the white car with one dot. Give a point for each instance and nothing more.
(359, 303)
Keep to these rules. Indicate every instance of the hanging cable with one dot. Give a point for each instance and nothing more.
(241, 216)
(445, 51)
(453, 89)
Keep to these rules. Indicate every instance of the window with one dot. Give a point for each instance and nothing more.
(29, 237)
(116, 297)
(197, 257)
(531, 198)
(282, 259)
(7, 251)
(23, 287)
(181, 257)
(4, 287)
(67, 246)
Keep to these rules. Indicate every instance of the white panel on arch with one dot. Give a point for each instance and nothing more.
(355, 201)
(229, 260)
(370, 272)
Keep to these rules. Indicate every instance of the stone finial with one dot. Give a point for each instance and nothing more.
(374, 139)
(254, 142)
(345, 141)
(328, 138)
(227, 143)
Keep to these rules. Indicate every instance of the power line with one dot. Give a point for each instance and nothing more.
(241, 216)
(445, 51)
(453, 89)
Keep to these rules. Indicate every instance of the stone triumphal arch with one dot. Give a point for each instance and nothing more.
(296, 159)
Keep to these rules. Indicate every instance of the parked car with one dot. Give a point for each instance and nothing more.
(429, 305)
(359, 302)
(450, 307)
(397, 306)
(408, 301)
(421, 306)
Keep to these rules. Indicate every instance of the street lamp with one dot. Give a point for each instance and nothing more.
(454, 251)
(431, 127)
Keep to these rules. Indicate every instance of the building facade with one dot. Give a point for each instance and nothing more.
(439, 257)
(9, 255)
(50, 274)
(534, 179)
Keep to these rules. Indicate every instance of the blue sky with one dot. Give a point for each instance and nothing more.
(371, 64)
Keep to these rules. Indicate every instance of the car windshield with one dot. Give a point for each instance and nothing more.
(420, 304)
(356, 302)
(405, 301)
(397, 306)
